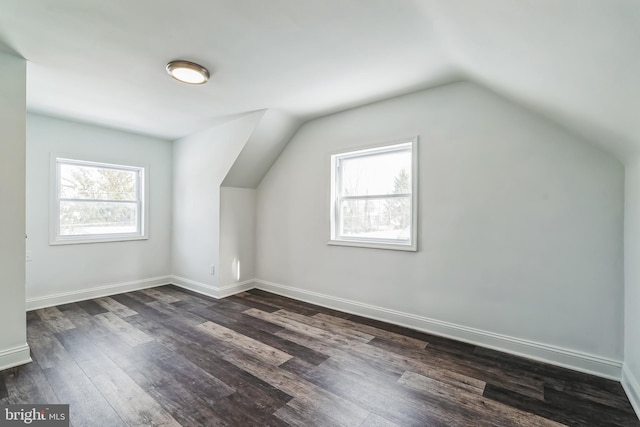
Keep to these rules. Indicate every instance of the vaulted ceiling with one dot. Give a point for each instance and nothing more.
(576, 62)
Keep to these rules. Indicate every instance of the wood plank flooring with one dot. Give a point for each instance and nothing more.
(169, 357)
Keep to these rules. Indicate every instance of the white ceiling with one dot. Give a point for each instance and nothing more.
(575, 61)
(103, 61)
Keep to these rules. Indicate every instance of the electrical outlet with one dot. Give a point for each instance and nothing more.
(212, 270)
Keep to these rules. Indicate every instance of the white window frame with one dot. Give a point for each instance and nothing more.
(335, 198)
(54, 209)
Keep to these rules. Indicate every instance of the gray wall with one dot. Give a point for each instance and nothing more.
(631, 374)
(76, 271)
(200, 163)
(13, 347)
(237, 235)
(520, 225)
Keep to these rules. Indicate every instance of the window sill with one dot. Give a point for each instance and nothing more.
(372, 245)
(81, 241)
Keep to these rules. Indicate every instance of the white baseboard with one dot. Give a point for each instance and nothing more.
(554, 355)
(95, 292)
(213, 291)
(587, 363)
(631, 386)
(15, 356)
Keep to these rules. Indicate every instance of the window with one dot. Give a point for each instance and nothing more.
(95, 202)
(373, 197)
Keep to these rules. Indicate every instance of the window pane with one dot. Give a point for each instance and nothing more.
(88, 182)
(383, 218)
(81, 218)
(378, 174)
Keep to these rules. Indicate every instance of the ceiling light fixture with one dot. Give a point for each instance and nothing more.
(188, 72)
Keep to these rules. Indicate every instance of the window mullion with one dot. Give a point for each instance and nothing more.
(96, 200)
(378, 196)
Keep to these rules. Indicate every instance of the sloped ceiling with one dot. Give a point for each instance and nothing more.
(6, 49)
(261, 149)
(104, 61)
(575, 61)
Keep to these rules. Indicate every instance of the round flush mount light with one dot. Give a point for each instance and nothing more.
(188, 72)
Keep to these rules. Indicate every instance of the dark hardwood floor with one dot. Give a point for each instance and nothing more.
(169, 357)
